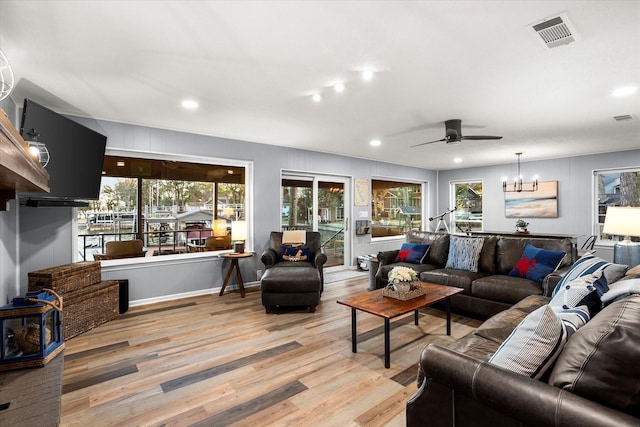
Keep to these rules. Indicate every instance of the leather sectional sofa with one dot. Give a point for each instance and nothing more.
(595, 380)
(491, 289)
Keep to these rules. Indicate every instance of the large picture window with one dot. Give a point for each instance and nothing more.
(467, 197)
(172, 206)
(614, 188)
(396, 207)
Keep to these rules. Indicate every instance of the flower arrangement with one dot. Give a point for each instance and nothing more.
(402, 274)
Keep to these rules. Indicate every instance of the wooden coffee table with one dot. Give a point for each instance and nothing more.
(373, 302)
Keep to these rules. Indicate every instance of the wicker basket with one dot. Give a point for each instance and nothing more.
(66, 278)
(90, 307)
(414, 292)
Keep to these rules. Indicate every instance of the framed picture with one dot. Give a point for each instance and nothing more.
(361, 192)
(533, 204)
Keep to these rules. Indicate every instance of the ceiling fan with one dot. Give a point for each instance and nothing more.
(453, 134)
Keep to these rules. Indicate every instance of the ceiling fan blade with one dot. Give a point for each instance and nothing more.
(430, 142)
(478, 137)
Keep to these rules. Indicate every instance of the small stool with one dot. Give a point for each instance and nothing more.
(291, 286)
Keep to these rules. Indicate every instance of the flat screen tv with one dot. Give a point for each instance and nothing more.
(76, 155)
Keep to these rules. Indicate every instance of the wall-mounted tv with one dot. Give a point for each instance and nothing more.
(76, 155)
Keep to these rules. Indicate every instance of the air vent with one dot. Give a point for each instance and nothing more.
(554, 32)
(623, 117)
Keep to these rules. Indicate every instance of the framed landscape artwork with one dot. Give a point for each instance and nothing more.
(533, 204)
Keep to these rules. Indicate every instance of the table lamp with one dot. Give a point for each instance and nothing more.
(220, 227)
(238, 235)
(624, 221)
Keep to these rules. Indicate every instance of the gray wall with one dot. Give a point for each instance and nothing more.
(46, 233)
(576, 193)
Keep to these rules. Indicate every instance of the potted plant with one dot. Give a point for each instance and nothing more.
(521, 226)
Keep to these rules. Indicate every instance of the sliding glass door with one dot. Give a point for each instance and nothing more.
(318, 203)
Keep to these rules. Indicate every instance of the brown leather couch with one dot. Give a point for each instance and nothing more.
(595, 381)
(491, 289)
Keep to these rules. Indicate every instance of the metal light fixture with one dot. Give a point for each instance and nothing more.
(6, 77)
(38, 149)
(518, 186)
(625, 222)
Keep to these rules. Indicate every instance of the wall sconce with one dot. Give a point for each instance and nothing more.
(624, 221)
(7, 79)
(518, 185)
(37, 148)
(238, 235)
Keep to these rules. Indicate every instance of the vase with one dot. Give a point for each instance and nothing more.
(403, 286)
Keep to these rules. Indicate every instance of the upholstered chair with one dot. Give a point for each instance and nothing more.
(293, 270)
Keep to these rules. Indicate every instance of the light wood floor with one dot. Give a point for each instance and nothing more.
(217, 361)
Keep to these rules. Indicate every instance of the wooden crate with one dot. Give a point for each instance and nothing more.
(66, 278)
(89, 307)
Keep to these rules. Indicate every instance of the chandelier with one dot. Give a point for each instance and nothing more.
(6, 77)
(518, 186)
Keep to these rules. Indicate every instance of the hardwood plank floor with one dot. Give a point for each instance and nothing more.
(222, 361)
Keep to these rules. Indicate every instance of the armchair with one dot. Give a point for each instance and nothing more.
(121, 249)
(293, 283)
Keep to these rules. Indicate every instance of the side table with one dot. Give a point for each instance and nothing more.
(234, 257)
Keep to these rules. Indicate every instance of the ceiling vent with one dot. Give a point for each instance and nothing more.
(621, 118)
(554, 32)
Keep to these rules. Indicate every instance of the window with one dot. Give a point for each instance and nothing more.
(467, 198)
(614, 188)
(173, 206)
(396, 207)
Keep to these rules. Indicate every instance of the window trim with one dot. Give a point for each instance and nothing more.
(423, 201)
(595, 225)
(453, 202)
(139, 154)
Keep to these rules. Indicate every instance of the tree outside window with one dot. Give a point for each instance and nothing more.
(396, 207)
(615, 188)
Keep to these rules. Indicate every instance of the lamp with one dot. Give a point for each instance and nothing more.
(518, 185)
(37, 148)
(238, 235)
(624, 221)
(6, 77)
(220, 227)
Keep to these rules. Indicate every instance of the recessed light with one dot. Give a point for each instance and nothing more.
(316, 97)
(367, 74)
(339, 87)
(120, 164)
(189, 104)
(375, 142)
(625, 91)
(457, 160)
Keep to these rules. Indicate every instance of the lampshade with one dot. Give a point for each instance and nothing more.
(220, 227)
(622, 221)
(238, 230)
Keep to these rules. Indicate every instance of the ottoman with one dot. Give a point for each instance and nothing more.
(291, 286)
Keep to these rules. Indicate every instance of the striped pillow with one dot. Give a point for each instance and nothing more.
(586, 266)
(464, 253)
(533, 345)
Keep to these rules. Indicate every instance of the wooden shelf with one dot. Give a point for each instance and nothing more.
(18, 170)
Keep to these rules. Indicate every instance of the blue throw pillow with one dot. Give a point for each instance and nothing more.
(295, 253)
(536, 264)
(413, 253)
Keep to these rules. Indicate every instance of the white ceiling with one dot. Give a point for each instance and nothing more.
(253, 66)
